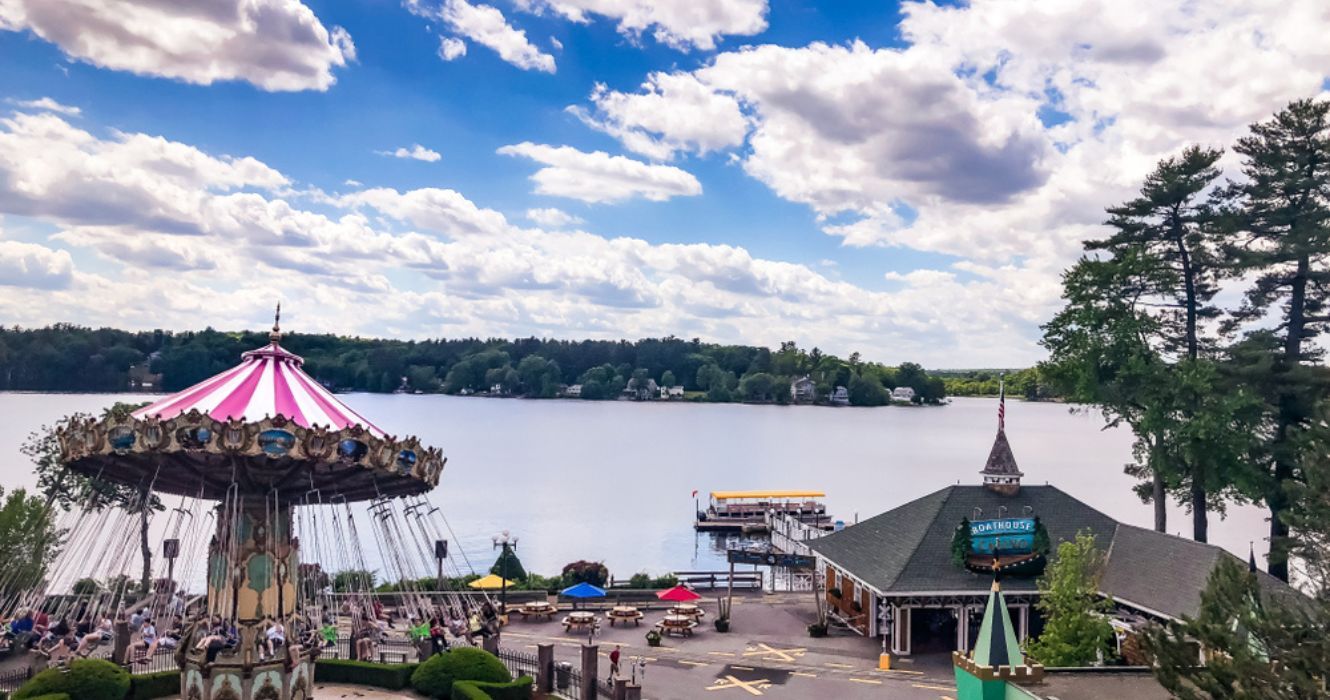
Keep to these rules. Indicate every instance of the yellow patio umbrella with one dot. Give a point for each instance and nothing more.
(490, 583)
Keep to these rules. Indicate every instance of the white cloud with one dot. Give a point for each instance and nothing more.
(485, 25)
(673, 112)
(552, 218)
(278, 45)
(682, 24)
(49, 105)
(34, 266)
(451, 48)
(600, 177)
(415, 152)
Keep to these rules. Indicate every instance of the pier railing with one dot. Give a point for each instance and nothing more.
(712, 580)
(790, 535)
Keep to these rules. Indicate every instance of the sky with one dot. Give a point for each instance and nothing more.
(906, 180)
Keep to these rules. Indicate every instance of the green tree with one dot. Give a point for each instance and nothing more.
(758, 386)
(353, 581)
(63, 488)
(509, 566)
(667, 379)
(1258, 646)
(866, 390)
(1076, 629)
(29, 541)
(1281, 210)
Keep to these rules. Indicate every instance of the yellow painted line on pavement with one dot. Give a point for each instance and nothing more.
(836, 665)
(742, 668)
(692, 663)
(721, 653)
(901, 670)
(869, 681)
(932, 687)
(802, 674)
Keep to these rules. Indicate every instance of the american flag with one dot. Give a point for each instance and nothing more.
(1002, 402)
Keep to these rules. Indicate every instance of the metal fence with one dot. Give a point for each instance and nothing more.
(11, 680)
(520, 663)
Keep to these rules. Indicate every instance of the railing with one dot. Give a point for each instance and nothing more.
(11, 680)
(162, 660)
(520, 663)
(791, 535)
(711, 580)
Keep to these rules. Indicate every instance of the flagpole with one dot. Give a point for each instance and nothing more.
(1002, 402)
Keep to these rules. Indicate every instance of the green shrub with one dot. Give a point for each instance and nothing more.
(519, 689)
(86, 679)
(52, 696)
(154, 685)
(387, 676)
(435, 677)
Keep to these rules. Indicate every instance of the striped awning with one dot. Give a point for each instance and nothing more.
(267, 382)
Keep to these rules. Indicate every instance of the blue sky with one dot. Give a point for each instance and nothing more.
(903, 181)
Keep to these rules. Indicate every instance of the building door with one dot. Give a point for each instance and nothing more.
(933, 630)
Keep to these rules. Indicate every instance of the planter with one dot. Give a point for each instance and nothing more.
(653, 638)
(817, 630)
(722, 624)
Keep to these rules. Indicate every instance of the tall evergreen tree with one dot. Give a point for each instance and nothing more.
(1282, 210)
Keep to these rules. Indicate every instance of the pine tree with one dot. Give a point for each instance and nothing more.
(1282, 211)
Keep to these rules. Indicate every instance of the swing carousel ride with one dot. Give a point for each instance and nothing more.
(271, 463)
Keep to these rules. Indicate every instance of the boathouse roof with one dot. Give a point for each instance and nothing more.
(906, 551)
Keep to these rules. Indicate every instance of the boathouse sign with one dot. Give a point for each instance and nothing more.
(1002, 536)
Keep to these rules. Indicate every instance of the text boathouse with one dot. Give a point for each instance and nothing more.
(920, 575)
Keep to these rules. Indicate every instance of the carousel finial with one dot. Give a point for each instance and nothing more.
(276, 333)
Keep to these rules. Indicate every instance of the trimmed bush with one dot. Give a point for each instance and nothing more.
(436, 676)
(387, 676)
(86, 679)
(52, 696)
(519, 689)
(163, 684)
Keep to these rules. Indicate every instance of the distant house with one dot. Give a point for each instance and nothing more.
(646, 392)
(671, 392)
(840, 397)
(141, 377)
(902, 393)
(803, 390)
(496, 389)
(573, 392)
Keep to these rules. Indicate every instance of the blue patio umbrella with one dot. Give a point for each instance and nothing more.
(583, 590)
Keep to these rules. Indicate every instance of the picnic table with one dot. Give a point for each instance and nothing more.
(579, 619)
(688, 610)
(624, 614)
(681, 625)
(537, 609)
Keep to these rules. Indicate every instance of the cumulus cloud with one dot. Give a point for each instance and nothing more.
(451, 47)
(278, 45)
(600, 177)
(552, 218)
(485, 25)
(49, 105)
(34, 266)
(673, 112)
(681, 24)
(415, 152)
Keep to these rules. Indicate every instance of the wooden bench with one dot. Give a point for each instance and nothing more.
(383, 655)
(681, 630)
(636, 619)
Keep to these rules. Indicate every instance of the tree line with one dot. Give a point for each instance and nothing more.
(1226, 393)
(66, 357)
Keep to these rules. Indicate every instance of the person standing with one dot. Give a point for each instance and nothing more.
(614, 663)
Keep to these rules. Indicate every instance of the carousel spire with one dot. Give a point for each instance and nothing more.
(276, 334)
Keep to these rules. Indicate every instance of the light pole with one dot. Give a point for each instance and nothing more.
(508, 544)
(440, 553)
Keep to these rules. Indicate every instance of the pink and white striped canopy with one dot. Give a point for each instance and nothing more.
(268, 381)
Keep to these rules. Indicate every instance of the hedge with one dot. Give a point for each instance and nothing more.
(86, 679)
(51, 696)
(387, 676)
(435, 677)
(519, 689)
(163, 684)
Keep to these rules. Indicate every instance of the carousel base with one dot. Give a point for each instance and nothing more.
(228, 679)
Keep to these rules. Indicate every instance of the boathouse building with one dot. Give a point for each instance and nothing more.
(897, 575)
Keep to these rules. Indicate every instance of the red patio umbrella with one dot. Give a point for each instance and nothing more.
(678, 594)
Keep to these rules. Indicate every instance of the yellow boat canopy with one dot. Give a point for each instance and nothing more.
(490, 583)
(769, 495)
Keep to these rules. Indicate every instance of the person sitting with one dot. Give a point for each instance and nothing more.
(104, 632)
(147, 643)
(136, 621)
(329, 633)
(365, 644)
(438, 636)
(274, 637)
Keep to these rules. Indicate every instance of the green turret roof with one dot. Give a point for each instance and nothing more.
(997, 645)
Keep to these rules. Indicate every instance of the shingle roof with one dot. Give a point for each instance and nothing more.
(908, 549)
(1001, 462)
(1166, 573)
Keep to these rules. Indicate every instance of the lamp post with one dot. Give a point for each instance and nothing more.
(508, 544)
(440, 553)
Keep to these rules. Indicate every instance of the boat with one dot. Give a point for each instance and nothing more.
(745, 511)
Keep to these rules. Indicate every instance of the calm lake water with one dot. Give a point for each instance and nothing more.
(612, 481)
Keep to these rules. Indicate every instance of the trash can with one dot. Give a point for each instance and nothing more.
(563, 675)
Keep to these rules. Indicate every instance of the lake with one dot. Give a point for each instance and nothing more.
(612, 481)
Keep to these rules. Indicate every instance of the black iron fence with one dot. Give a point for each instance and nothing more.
(11, 680)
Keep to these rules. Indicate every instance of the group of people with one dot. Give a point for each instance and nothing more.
(79, 634)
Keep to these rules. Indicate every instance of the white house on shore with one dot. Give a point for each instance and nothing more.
(840, 397)
(803, 390)
(573, 392)
(671, 392)
(902, 393)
